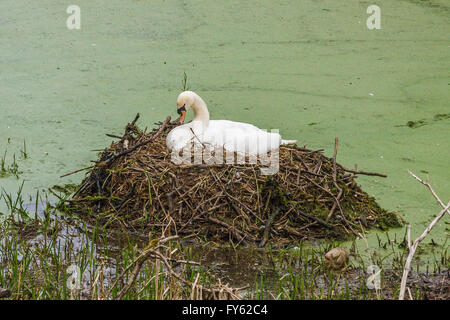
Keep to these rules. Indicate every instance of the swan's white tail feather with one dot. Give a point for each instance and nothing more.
(283, 142)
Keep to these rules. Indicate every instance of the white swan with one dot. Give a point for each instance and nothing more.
(232, 136)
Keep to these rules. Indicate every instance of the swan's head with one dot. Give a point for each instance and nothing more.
(184, 101)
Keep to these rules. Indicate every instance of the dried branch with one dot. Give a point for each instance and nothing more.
(427, 184)
(221, 291)
(412, 247)
(76, 171)
(336, 204)
(153, 137)
(364, 172)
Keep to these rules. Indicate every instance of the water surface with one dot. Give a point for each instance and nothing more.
(309, 68)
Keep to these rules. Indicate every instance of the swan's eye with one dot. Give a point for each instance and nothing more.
(181, 109)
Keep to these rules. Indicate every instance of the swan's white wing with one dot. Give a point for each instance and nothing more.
(241, 137)
(178, 137)
(233, 136)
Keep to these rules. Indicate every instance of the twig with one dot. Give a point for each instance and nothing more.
(222, 291)
(137, 263)
(236, 232)
(68, 174)
(197, 138)
(318, 220)
(135, 119)
(113, 136)
(137, 268)
(363, 172)
(124, 152)
(335, 182)
(268, 226)
(153, 137)
(427, 184)
(412, 248)
(127, 196)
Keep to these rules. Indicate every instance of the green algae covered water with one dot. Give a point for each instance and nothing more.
(309, 68)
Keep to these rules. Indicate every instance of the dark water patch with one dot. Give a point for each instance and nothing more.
(440, 5)
(423, 122)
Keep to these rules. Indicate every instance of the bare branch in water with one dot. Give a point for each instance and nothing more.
(412, 247)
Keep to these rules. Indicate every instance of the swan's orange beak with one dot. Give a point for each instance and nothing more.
(182, 112)
(182, 115)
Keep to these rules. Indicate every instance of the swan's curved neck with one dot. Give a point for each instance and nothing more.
(201, 112)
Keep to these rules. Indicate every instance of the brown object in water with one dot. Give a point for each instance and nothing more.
(336, 258)
(5, 293)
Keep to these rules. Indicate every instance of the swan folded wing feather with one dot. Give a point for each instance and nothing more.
(178, 138)
(241, 137)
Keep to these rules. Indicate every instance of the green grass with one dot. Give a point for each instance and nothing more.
(184, 82)
(41, 245)
(9, 169)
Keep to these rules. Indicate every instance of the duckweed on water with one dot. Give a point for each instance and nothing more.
(42, 245)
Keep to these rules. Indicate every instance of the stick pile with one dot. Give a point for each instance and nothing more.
(134, 185)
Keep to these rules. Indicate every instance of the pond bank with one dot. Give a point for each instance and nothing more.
(40, 256)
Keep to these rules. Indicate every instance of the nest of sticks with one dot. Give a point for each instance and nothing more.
(135, 186)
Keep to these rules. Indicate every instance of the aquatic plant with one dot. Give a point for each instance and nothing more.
(7, 170)
(49, 254)
(184, 84)
(23, 151)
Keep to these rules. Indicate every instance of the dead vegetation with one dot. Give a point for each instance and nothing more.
(135, 186)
